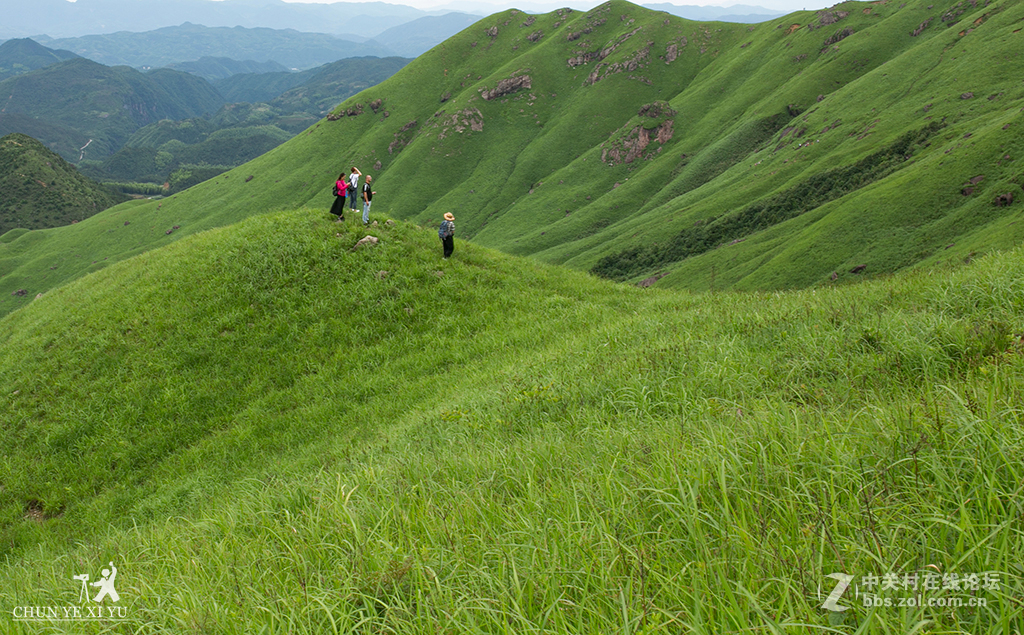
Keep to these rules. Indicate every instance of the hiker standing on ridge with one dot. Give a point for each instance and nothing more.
(367, 197)
(340, 187)
(353, 187)
(446, 232)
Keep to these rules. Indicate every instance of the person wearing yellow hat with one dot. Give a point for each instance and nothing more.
(447, 234)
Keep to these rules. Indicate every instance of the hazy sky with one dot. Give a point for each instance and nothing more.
(492, 6)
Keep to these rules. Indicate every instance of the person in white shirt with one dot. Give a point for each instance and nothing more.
(353, 187)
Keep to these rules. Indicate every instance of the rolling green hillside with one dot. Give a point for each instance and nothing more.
(267, 430)
(102, 103)
(582, 137)
(818, 148)
(42, 190)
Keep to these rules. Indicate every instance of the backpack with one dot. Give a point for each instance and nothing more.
(340, 192)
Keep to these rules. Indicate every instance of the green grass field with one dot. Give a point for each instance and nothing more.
(268, 432)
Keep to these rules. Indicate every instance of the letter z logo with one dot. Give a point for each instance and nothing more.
(844, 581)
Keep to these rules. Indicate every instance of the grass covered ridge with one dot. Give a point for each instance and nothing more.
(583, 137)
(268, 431)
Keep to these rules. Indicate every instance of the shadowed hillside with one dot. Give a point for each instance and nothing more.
(42, 190)
(103, 104)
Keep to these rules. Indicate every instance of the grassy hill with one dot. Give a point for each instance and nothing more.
(267, 431)
(638, 128)
(42, 190)
(105, 105)
(819, 148)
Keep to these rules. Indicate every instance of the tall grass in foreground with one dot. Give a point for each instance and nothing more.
(601, 461)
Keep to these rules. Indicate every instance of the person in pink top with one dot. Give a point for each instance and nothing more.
(338, 208)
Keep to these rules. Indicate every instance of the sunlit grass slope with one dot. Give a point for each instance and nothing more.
(268, 432)
(760, 156)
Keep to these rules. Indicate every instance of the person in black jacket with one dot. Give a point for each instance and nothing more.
(367, 198)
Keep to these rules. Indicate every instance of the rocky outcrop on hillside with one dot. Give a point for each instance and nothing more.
(467, 119)
(402, 137)
(507, 86)
(631, 143)
(585, 57)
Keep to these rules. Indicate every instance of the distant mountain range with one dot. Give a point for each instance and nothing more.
(120, 124)
(419, 36)
(239, 132)
(104, 105)
(187, 42)
(60, 18)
